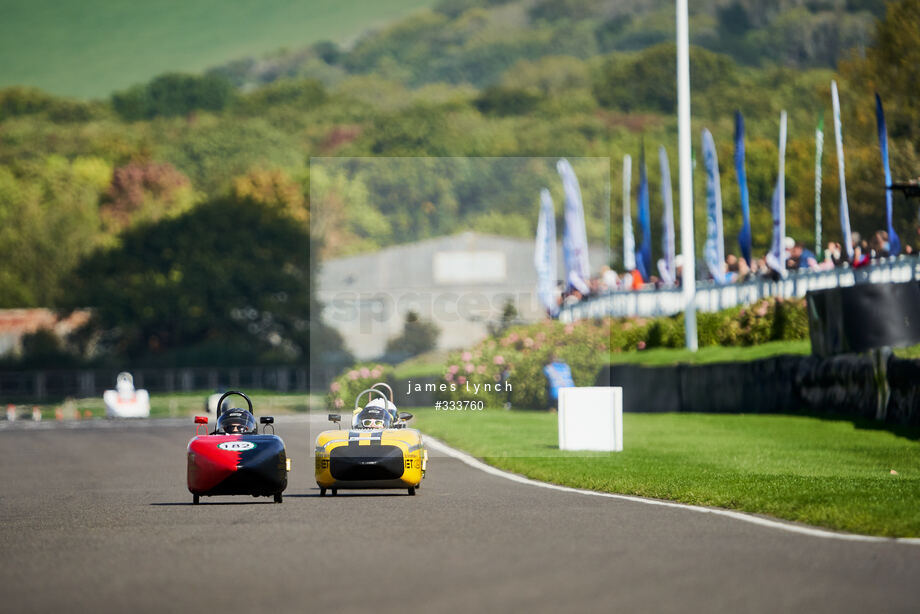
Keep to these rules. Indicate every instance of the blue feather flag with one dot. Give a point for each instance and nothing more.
(841, 172)
(574, 237)
(666, 265)
(544, 258)
(644, 253)
(744, 237)
(894, 242)
(776, 258)
(819, 150)
(629, 241)
(714, 248)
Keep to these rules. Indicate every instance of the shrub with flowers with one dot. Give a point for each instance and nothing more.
(351, 382)
(518, 357)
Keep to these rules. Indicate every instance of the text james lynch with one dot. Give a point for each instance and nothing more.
(474, 388)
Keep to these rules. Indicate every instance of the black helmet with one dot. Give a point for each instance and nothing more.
(236, 421)
(372, 417)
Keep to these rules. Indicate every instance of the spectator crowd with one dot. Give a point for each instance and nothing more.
(735, 270)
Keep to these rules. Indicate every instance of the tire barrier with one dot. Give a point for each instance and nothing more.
(839, 385)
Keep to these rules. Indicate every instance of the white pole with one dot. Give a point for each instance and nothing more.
(688, 283)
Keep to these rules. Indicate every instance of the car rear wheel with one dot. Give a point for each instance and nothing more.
(278, 497)
(322, 492)
(412, 491)
(195, 499)
(335, 492)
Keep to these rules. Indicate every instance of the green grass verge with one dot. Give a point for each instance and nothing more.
(908, 352)
(825, 472)
(715, 353)
(433, 363)
(429, 364)
(710, 354)
(265, 402)
(90, 48)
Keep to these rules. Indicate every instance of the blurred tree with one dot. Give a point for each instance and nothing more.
(646, 80)
(211, 153)
(506, 101)
(418, 336)
(303, 94)
(609, 32)
(23, 101)
(420, 130)
(18, 100)
(273, 188)
(557, 10)
(508, 318)
(227, 272)
(549, 76)
(328, 51)
(892, 68)
(173, 94)
(43, 349)
(49, 218)
(144, 192)
(342, 214)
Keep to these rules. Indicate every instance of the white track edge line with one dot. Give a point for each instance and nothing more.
(758, 520)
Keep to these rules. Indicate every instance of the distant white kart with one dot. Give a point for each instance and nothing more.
(125, 401)
(210, 405)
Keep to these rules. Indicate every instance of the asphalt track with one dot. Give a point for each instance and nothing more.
(98, 518)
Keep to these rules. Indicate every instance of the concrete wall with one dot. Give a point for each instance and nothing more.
(460, 282)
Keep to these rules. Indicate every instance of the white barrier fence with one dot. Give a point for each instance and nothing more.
(713, 297)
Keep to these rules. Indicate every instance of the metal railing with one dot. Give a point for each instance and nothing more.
(713, 297)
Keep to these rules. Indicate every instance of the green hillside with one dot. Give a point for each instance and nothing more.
(476, 41)
(88, 49)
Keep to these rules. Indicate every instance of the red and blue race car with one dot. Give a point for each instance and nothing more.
(235, 459)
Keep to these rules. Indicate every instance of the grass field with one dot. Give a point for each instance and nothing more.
(89, 49)
(831, 473)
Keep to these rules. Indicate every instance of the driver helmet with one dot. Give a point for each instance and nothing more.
(387, 404)
(372, 417)
(236, 421)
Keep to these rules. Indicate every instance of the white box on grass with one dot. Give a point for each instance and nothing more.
(591, 418)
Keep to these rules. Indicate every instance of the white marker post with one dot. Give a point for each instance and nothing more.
(591, 418)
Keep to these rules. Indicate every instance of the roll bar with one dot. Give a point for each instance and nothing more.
(220, 402)
(387, 386)
(372, 389)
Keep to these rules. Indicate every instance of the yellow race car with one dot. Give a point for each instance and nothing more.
(379, 451)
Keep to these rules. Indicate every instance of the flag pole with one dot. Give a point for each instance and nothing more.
(688, 280)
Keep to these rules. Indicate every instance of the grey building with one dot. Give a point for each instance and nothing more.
(460, 282)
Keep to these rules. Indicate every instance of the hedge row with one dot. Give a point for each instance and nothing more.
(766, 320)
